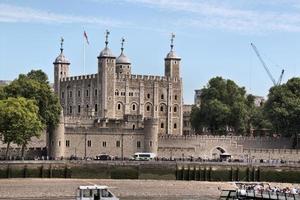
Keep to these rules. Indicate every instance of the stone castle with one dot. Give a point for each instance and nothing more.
(114, 111)
(117, 113)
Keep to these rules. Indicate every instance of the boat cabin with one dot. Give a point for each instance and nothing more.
(94, 192)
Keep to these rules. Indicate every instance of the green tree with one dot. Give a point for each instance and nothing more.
(35, 86)
(283, 107)
(223, 105)
(19, 121)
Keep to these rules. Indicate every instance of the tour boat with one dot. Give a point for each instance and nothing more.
(95, 192)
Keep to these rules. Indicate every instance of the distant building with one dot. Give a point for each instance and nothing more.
(197, 97)
(4, 82)
(259, 101)
(187, 127)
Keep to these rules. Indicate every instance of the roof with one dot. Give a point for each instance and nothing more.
(172, 55)
(123, 59)
(106, 52)
(61, 59)
(93, 187)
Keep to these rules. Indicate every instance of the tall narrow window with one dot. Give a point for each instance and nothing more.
(175, 109)
(70, 110)
(138, 144)
(62, 95)
(148, 108)
(162, 96)
(104, 143)
(133, 107)
(78, 109)
(162, 125)
(67, 143)
(78, 93)
(148, 96)
(87, 93)
(70, 94)
(96, 107)
(161, 108)
(118, 143)
(119, 106)
(175, 126)
(89, 143)
(96, 92)
(175, 97)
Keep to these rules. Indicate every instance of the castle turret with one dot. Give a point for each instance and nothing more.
(57, 139)
(107, 76)
(172, 62)
(123, 65)
(61, 68)
(151, 135)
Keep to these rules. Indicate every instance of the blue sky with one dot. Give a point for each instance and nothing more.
(212, 37)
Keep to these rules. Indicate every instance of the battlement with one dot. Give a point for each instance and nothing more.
(82, 77)
(148, 78)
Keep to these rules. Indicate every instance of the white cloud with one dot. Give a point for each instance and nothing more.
(213, 14)
(9, 13)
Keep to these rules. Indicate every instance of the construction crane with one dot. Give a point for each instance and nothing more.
(266, 68)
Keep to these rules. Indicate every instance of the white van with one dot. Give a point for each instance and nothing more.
(144, 156)
(95, 192)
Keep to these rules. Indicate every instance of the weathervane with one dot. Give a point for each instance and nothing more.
(106, 37)
(122, 44)
(172, 41)
(61, 44)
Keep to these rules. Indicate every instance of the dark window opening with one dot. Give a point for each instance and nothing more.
(162, 125)
(138, 144)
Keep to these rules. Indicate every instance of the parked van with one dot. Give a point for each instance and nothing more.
(144, 156)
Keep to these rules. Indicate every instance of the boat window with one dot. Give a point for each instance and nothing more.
(106, 193)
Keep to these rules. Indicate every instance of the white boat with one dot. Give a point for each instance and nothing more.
(95, 192)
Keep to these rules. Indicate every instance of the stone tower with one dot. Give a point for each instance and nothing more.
(172, 62)
(107, 80)
(151, 135)
(57, 139)
(61, 68)
(123, 65)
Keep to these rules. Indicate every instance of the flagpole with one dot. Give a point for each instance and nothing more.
(83, 55)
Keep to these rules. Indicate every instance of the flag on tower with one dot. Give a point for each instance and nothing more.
(86, 37)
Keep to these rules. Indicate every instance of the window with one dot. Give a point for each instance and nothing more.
(118, 143)
(62, 95)
(148, 108)
(175, 125)
(162, 125)
(78, 93)
(133, 126)
(130, 94)
(133, 107)
(87, 107)
(70, 110)
(150, 143)
(96, 107)
(67, 143)
(89, 143)
(59, 143)
(138, 144)
(117, 93)
(162, 96)
(70, 94)
(175, 97)
(96, 92)
(78, 109)
(175, 109)
(87, 93)
(104, 143)
(161, 108)
(148, 96)
(119, 106)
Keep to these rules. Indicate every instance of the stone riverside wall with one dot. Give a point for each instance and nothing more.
(150, 170)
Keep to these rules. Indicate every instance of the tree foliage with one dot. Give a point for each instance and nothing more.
(283, 107)
(35, 86)
(224, 106)
(19, 121)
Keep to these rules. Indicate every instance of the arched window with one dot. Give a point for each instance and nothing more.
(119, 106)
(175, 109)
(133, 126)
(133, 107)
(162, 125)
(162, 96)
(148, 96)
(161, 108)
(148, 108)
